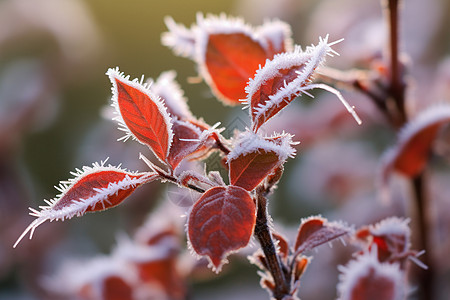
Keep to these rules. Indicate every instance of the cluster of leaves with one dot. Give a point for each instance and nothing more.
(379, 270)
(262, 69)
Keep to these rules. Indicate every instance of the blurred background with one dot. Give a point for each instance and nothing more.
(53, 94)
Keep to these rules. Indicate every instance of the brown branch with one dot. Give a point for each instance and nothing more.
(425, 278)
(397, 84)
(264, 236)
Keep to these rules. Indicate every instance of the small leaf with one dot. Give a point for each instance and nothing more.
(285, 77)
(410, 155)
(390, 236)
(220, 222)
(141, 114)
(315, 231)
(228, 51)
(255, 157)
(93, 189)
(186, 140)
(282, 243)
(365, 278)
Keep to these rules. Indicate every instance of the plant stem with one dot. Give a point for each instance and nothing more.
(397, 85)
(264, 236)
(424, 277)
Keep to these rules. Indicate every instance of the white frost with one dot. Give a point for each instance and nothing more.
(367, 266)
(113, 74)
(248, 142)
(79, 206)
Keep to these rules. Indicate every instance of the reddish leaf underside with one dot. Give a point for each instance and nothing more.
(94, 189)
(221, 221)
(249, 169)
(144, 118)
(231, 60)
(270, 87)
(88, 186)
(185, 142)
(316, 231)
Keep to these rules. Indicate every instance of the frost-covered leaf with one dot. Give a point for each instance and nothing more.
(93, 189)
(141, 114)
(285, 77)
(255, 157)
(227, 51)
(221, 222)
(410, 155)
(282, 244)
(315, 231)
(392, 239)
(191, 140)
(365, 278)
(156, 261)
(101, 278)
(186, 140)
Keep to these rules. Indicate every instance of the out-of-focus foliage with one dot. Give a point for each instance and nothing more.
(53, 55)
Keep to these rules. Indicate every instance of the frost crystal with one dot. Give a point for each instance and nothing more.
(249, 141)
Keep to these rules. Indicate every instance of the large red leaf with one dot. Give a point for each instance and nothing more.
(255, 157)
(93, 189)
(231, 60)
(410, 155)
(220, 222)
(141, 114)
(227, 50)
(315, 231)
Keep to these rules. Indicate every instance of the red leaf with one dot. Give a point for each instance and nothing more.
(228, 51)
(315, 231)
(231, 60)
(248, 170)
(115, 288)
(283, 245)
(186, 140)
(93, 189)
(220, 222)
(141, 114)
(285, 77)
(411, 153)
(255, 157)
(391, 236)
(367, 279)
